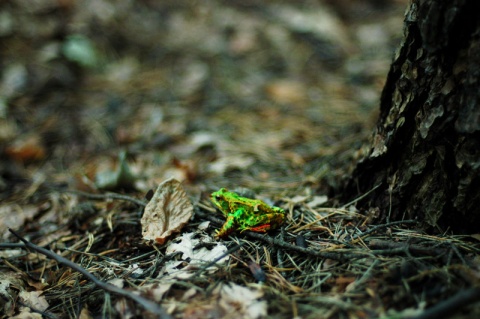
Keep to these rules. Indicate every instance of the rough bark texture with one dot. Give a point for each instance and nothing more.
(425, 152)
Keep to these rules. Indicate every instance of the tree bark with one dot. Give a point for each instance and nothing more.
(424, 158)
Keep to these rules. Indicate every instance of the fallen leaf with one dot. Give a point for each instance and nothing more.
(187, 265)
(15, 216)
(188, 168)
(81, 50)
(25, 313)
(124, 309)
(287, 92)
(224, 164)
(242, 302)
(34, 299)
(317, 201)
(11, 253)
(26, 149)
(298, 199)
(204, 225)
(167, 212)
(8, 296)
(12, 290)
(157, 290)
(85, 313)
(197, 256)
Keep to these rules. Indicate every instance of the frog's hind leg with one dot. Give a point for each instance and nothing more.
(260, 228)
(227, 227)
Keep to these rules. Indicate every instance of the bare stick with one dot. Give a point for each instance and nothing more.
(377, 227)
(147, 304)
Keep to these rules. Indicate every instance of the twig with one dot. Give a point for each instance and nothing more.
(448, 307)
(281, 243)
(412, 248)
(335, 255)
(377, 227)
(340, 256)
(147, 304)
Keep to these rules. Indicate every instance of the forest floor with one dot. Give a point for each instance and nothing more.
(103, 101)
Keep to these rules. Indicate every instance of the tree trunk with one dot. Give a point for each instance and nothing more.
(424, 158)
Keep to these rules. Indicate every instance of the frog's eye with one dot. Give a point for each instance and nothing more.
(218, 197)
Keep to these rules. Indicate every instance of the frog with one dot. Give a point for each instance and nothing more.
(244, 213)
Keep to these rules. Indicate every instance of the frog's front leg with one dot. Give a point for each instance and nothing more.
(227, 227)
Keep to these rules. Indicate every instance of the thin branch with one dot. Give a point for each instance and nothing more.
(412, 248)
(377, 227)
(334, 255)
(280, 243)
(340, 256)
(147, 304)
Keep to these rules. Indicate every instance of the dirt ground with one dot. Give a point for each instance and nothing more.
(102, 101)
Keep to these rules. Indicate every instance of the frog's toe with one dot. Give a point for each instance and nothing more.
(222, 233)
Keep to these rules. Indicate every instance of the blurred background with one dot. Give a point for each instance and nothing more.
(214, 93)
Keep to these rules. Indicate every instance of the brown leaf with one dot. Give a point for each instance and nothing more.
(287, 92)
(15, 216)
(242, 302)
(167, 212)
(26, 149)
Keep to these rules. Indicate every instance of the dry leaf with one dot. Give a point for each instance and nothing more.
(9, 280)
(85, 313)
(226, 163)
(317, 201)
(242, 302)
(34, 299)
(26, 313)
(187, 265)
(27, 149)
(156, 290)
(287, 92)
(167, 212)
(15, 216)
(200, 255)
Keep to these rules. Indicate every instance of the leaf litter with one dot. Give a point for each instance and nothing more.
(267, 98)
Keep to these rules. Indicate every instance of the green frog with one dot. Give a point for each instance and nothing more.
(245, 214)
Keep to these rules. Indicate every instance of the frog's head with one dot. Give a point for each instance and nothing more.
(219, 199)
